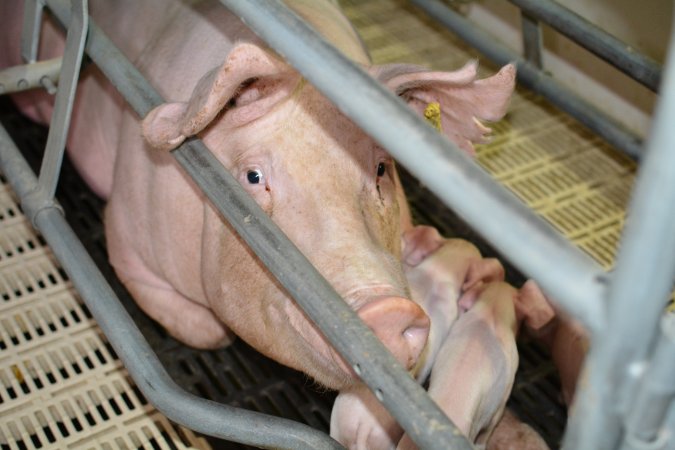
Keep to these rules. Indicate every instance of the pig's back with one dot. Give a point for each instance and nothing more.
(173, 43)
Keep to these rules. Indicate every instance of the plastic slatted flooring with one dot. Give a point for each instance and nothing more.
(62, 386)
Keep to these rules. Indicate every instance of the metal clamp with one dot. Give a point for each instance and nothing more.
(42, 74)
(30, 35)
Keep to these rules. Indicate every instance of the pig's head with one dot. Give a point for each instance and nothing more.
(327, 185)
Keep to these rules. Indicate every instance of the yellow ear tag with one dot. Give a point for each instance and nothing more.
(433, 115)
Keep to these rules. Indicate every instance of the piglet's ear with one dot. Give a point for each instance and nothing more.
(248, 84)
(463, 99)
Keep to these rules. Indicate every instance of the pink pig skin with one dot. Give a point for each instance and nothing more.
(438, 271)
(512, 434)
(472, 358)
(474, 369)
(565, 338)
(314, 172)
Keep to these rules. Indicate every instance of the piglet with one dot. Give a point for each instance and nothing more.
(438, 271)
(472, 359)
(473, 373)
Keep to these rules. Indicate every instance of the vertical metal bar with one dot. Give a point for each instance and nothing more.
(639, 289)
(645, 423)
(60, 122)
(532, 39)
(609, 129)
(670, 428)
(226, 422)
(639, 67)
(30, 33)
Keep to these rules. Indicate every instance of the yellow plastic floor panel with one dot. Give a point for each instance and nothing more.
(61, 385)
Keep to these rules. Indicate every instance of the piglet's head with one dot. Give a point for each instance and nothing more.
(464, 100)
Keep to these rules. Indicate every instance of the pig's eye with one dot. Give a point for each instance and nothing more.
(381, 169)
(254, 176)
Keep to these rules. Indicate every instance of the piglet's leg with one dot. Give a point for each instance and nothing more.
(533, 310)
(475, 368)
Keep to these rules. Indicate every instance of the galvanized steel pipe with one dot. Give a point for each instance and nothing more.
(646, 419)
(640, 287)
(532, 40)
(65, 96)
(634, 64)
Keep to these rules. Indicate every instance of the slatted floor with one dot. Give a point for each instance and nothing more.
(62, 386)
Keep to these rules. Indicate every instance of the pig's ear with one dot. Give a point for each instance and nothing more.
(463, 99)
(247, 85)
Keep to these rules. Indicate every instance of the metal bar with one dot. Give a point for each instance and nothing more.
(639, 290)
(612, 131)
(416, 412)
(532, 39)
(645, 423)
(29, 76)
(205, 416)
(30, 33)
(63, 105)
(638, 66)
(670, 428)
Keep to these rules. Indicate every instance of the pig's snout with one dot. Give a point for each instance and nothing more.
(401, 325)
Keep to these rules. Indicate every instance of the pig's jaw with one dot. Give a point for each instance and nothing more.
(316, 357)
(325, 365)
